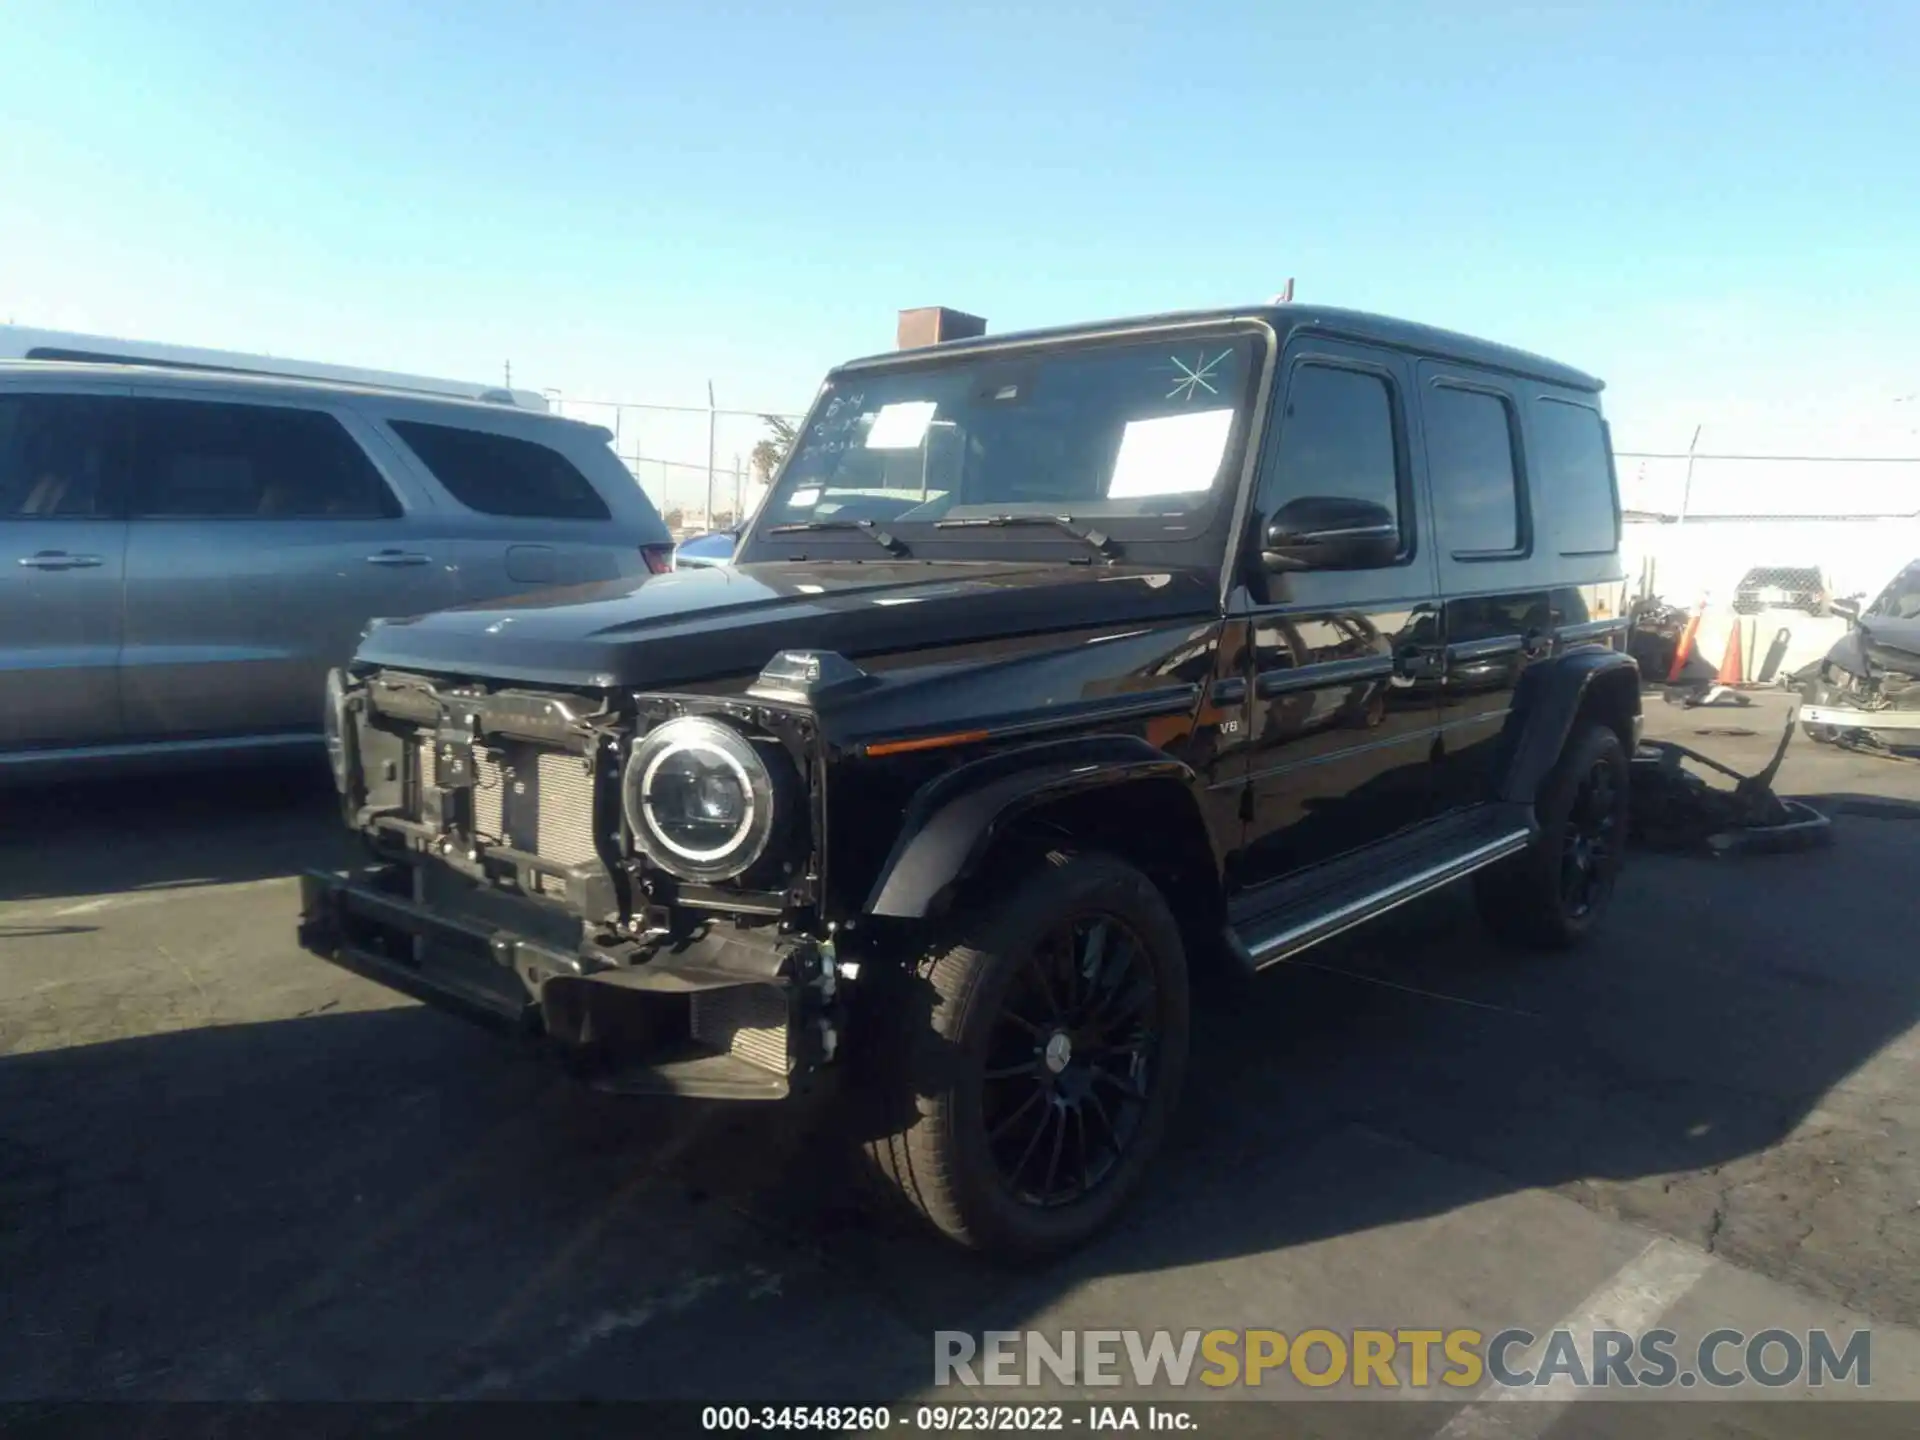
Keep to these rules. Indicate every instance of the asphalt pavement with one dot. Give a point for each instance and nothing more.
(230, 1171)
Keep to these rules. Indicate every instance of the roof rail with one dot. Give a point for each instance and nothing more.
(19, 342)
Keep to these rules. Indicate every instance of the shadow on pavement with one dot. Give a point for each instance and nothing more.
(391, 1203)
(220, 825)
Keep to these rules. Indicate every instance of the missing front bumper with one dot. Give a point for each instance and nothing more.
(718, 1015)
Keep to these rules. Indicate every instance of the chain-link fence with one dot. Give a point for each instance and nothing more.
(1703, 520)
(698, 464)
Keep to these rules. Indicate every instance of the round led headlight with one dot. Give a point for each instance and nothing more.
(699, 799)
(334, 725)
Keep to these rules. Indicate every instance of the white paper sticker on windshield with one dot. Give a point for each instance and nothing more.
(901, 426)
(1171, 455)
(809, 496)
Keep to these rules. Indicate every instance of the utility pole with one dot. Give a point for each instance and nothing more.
(509, 374)
(1686, 486)
(713, 421)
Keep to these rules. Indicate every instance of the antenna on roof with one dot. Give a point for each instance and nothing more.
(1285, 297)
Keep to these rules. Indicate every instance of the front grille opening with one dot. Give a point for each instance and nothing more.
(605, 1028)
(748, 1022)
(537, 801)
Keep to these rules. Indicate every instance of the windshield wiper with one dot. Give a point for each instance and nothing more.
(1107, 548)
(894, 545)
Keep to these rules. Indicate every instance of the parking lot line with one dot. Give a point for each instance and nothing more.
(1639, 1293)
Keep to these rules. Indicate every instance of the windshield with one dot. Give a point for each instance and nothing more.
(1135, 437)
(1901, 599)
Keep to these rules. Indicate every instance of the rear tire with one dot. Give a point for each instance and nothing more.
(1551, 896)
(1036, 1056)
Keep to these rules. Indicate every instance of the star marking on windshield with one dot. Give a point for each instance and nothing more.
(1196, 377)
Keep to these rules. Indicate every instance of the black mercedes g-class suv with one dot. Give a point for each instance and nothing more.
(1054, 666)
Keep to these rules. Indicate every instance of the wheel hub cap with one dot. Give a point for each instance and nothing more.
(1058, 1053)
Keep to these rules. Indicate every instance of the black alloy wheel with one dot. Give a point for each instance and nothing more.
(1018, 1079)
(1552, 894)
(1588, 844)
(1070, 1066)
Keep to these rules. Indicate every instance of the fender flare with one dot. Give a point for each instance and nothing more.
(953, 820)
(1548, 701)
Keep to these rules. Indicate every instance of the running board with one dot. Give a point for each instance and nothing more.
(1317, 906)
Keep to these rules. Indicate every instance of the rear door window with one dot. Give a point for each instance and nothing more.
(195, 460)
(1573, 467)
(1473, 452)
(503, 474)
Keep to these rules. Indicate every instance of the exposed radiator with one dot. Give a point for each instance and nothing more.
(539, 801)
(749, 1022)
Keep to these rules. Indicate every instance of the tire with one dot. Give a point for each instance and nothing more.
(1552, 895)
(1820, 692)
(1003, 1136)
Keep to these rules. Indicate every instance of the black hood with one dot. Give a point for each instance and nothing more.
(705, 624)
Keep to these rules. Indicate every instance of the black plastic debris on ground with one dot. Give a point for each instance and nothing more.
(1675, 809)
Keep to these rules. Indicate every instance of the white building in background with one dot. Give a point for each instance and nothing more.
(1857, 519)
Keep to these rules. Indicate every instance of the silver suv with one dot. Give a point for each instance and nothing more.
(183, 556)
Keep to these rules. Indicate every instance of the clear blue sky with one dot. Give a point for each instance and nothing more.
(1716, 206)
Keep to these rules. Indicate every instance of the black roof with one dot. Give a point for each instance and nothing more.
(1352, 324)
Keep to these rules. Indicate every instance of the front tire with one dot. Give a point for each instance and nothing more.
(1552, 895)
(1032, 1083)
(1822, 692)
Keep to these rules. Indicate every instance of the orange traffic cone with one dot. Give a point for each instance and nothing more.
(1730, 667)
(1683, 652)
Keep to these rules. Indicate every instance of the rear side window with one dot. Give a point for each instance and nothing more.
(1337, 438)
(60, 456)
(503, 474)
(1472, 458)
(1574, 471)
(251, 462)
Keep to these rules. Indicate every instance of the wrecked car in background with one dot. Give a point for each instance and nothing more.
(1867, 688)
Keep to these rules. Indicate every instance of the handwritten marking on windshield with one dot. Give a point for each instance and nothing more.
(1196, 377)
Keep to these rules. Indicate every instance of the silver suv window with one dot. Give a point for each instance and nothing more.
(59, 456)
(503, 474)
(218, 461)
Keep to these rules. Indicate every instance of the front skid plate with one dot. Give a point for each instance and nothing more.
(486, 991)
(1844, 719)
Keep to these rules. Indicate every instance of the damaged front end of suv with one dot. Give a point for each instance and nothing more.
(634, 877)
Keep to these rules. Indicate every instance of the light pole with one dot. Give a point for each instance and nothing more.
(1686, 486)
(713, 421)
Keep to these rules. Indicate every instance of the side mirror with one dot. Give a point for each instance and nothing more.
(1330, 532)
(1847, 605)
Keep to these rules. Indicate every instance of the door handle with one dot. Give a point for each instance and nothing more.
(398, 557)
(60, 560)
(1536, 643)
